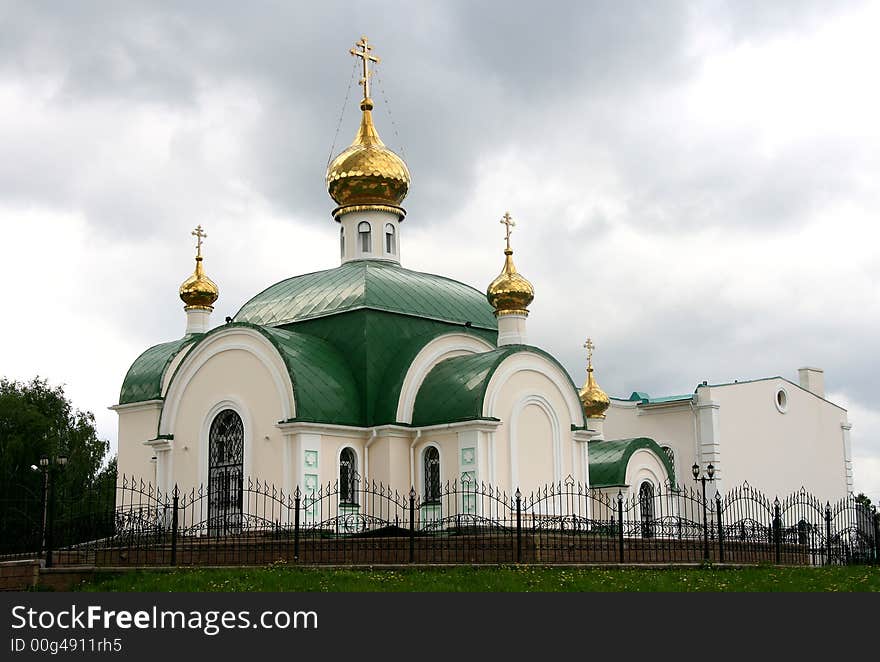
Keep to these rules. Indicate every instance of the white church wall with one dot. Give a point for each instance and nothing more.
(137, 423)
(533, 446)
(238, 379)
(780, 448)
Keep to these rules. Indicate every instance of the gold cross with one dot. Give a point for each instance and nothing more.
(365, 56)
(508, 221)
(199, 234)
(589, 346)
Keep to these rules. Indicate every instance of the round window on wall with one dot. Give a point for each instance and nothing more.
(781, 400)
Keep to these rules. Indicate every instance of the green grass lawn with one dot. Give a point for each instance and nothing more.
(508, 578)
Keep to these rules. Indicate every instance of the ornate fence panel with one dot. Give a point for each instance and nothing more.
(666, 525)
(747, 517)
(363, 522)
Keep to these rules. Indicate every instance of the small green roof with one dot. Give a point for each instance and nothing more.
(608, 460)
(143, 381)
(374, 284)
(455, 388)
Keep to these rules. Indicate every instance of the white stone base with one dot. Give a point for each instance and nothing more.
(512, 329)
(198, 320)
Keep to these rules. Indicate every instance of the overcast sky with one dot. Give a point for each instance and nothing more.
(695, 185)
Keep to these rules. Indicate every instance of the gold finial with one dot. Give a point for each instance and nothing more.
(199, 234)
(198, 291)
(593, 399)
(510, 293)
(366, 58)
(507, 221)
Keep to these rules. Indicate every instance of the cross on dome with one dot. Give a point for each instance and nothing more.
(366, 58)
(589, 346)
(199, 234)
(507, 220)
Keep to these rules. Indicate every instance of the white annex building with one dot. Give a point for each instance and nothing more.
(413, 379)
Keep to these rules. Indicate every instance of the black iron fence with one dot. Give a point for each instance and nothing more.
(134, 523)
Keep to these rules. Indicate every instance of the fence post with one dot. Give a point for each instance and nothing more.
(412, 523)
(296, 501)
(777, 531)
(518, 526)
(828, 532)
(620, 525)
(174, 504)
(720, 528)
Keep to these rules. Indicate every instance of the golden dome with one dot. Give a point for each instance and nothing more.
(510, 292)
(199, 291)
(368, 173)
(593, 399)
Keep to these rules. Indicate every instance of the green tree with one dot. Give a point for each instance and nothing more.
(38, 419)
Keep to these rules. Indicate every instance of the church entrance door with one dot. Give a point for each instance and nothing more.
(225, 474)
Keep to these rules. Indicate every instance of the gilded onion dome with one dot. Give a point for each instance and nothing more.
(510, 293)
(199, 291)
(593, 399)
(367, 174)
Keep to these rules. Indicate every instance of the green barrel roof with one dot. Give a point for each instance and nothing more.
(608, 460)
(143, 381)
(324, 390)
(455, 388)
(374, 284)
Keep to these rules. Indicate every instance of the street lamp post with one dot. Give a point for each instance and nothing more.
(708, 476)
(46, 466)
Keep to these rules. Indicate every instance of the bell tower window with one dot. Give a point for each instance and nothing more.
(390, 246)
(366, 237)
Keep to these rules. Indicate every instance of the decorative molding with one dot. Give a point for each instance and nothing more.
(525, 400)
(133, 407)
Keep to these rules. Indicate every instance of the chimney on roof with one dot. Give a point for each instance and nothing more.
(813, 379)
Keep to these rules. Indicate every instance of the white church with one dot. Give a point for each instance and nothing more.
(370, 369)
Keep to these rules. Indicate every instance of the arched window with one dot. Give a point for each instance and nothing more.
(432, 474)
(342, 242)
(225, 473)
(348, 476)
(389, 239)
(366, 238)
(646, 507)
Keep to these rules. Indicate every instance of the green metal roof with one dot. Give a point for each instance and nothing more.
(324, 389)
(454, 390)
(608, 460)
(143, 381)
(375, 284)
